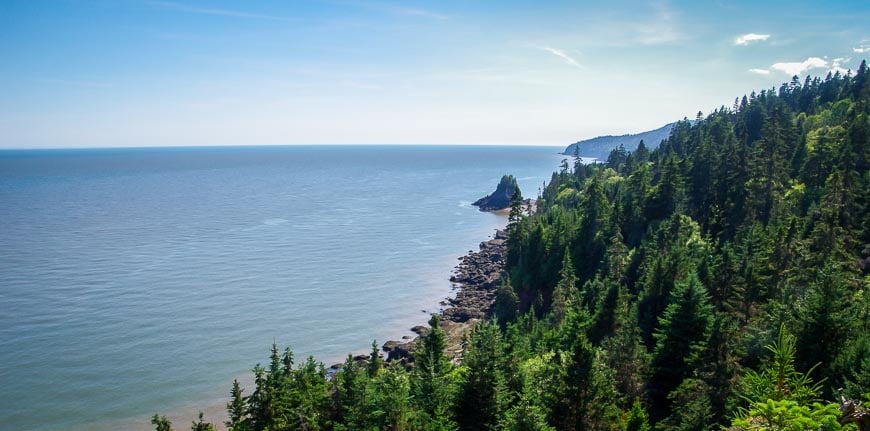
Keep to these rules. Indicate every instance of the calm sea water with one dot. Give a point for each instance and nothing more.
(135, 281)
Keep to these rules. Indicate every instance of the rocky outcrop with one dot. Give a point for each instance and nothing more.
(476, 279)
(501, 197)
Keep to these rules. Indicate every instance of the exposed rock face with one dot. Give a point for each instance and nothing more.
(501, 197)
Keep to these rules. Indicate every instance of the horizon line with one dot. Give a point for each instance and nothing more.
(145, 147)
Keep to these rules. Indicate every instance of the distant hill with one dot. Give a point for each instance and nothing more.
(600, 146)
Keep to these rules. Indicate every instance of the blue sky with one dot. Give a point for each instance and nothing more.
(105, 73)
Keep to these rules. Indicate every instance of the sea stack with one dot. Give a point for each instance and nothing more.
(501, 197)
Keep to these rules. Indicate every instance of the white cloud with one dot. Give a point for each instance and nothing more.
(836, 65)
(797, 68)
(748, 38)
(760, 71)
(861, 49)
(561, 54)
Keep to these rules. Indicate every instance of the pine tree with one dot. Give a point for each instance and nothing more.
(432, 386)
(482, 395)
(526, 417)
(236, 410)
(506, 302)
(585, 391)
(375, 362)
(202, 425)
(683, 331)
(825, 321)
(161, 423)
(565, 292)
(637, 419)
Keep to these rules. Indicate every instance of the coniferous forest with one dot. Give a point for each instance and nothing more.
(720, 280)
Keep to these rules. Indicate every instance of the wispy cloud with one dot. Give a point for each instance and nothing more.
(749, 38)
(394, 9)
(661, 27)
(418, 12)
(491, 75)
(561, 54)
(759, 71)
(217, 12)
(798, 68)
(861, 49)
(74, 83)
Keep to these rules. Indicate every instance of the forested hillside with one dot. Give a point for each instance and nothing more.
(720, 280)
(599, 147)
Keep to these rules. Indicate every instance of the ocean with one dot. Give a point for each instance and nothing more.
(142, 281)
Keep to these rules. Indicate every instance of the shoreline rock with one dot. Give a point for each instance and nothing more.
(476, 280)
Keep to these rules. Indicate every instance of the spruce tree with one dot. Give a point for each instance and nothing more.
(565, 292)
(236, 410)
(682, 335)
(161, 423)
(432, 386)
(482, 395)
(202, 425)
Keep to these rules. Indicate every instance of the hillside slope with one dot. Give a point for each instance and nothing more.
(599, 147)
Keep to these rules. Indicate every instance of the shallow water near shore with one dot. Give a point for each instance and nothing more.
(135, 281)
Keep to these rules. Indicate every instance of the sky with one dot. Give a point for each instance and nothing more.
(122, 73)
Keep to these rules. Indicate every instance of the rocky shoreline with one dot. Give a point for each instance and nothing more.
(475, 280)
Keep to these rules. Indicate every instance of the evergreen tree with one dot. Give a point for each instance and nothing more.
(825, 321)
(683, 331)
(375, 363)
(506, 302)
(161, 423)
(526, 417)
(637, 419)
(202, 425)
(586, 397)
(236, 410)
(432, 385)
(565, 291)
(482, 395)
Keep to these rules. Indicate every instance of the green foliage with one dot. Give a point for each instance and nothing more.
(161, 423)
(565, 292)
(433, 387)
(506, 302)
(782, 398)
(684, 328)
(483, 392)
(637, 419)
(236, 410)
(525, 417)
(788, 415)
(654, 291)
(202, 425)
(780, 380)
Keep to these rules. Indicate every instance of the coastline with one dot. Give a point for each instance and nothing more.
(475, 281)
